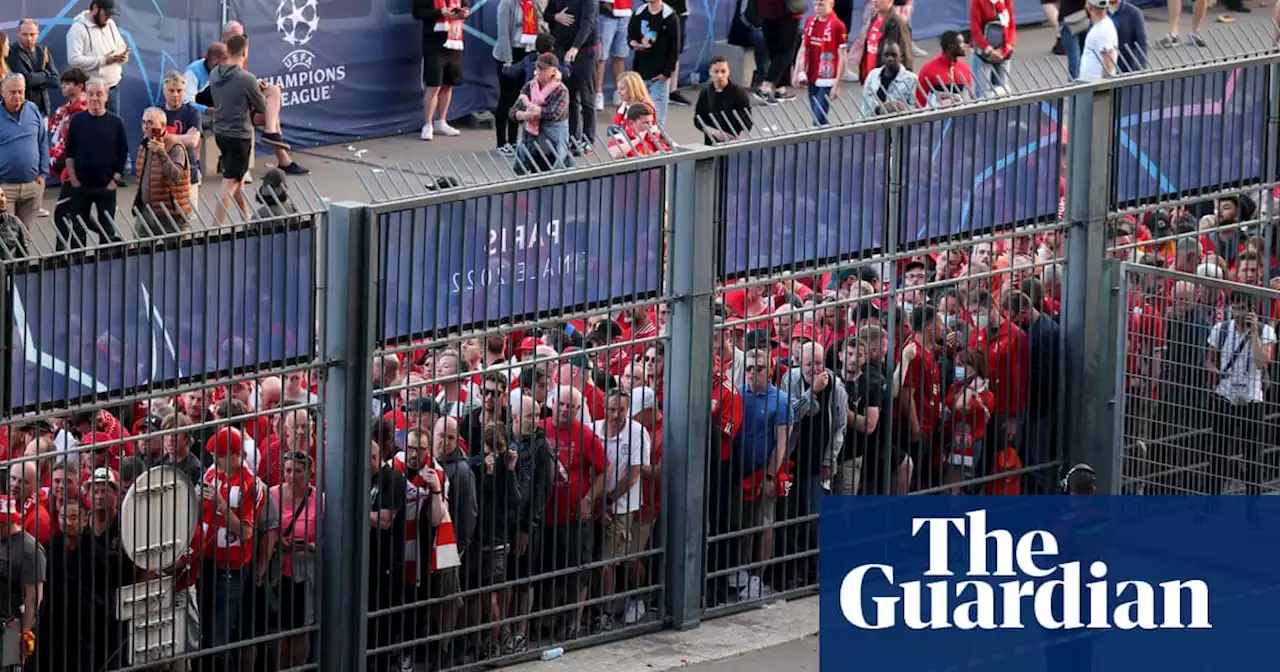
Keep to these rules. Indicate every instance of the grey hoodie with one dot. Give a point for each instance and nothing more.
(237, 98)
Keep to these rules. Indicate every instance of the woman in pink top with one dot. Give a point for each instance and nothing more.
(300, 509)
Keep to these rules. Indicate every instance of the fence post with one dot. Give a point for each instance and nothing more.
(688, 406)
(347, 286)
(1090, 294)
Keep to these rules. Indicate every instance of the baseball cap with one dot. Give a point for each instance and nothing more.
(758, 338)
(108, 5)
(643, 399)
(10, 514)
(225, 442)
(424, 405)
(37, 425)
(96, 437)
(154, 422)
(804, 330)
(104, 475)
(528, 344)
(1098, 4)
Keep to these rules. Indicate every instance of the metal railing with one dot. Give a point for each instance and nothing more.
(635, 379)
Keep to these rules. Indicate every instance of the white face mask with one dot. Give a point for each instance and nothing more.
(981, 321)
(960, 373)
(908, 307)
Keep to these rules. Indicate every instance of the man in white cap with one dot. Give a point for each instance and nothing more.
(1101, 45)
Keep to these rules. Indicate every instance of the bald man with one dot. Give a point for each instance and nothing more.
(197, 73)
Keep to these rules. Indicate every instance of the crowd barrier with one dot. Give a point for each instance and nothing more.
(496, 418)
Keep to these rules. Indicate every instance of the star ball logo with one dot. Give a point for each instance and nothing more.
(1022, 578)
(303, 83)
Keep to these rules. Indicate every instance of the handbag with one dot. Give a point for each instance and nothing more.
(797, 7)
(1077, 23)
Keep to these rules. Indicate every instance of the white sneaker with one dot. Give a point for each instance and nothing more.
(754, 589)
(443, 128)
(738, 579)
(918, 52)
(635, 612)
(427, 132)
(599, 101)
(406, 664)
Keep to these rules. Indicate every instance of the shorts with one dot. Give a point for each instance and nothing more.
(440, 66)
(755, 513)
(523, 566)
(296, 605)
(641, 531)
(613, 36)
(567, 546)
(235, 153)
(484, 567)
(615, 536)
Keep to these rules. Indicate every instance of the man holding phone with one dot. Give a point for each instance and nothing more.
(95, 45)
(163, 202)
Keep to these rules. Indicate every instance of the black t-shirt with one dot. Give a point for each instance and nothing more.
(868, 390)
(386, 547)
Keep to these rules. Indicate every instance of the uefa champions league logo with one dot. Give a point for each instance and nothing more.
(297, 22)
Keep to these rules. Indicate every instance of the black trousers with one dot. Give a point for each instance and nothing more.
(1239, 430)
(508, 91)
(74, 214)
(782, 37)
(582, 95)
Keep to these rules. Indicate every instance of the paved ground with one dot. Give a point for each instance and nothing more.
(798, 656)
(385, 168)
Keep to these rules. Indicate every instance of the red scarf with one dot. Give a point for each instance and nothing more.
(622, 9)
(823, 72)
(452, 28)
(528, 24)
(872, 50)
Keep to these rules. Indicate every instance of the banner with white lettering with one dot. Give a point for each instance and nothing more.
(1022, 584)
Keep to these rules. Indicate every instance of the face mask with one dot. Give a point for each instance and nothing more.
(908, 307)
(960, 373)
(981, 321)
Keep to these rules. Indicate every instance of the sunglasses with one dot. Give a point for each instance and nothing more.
(490, 392)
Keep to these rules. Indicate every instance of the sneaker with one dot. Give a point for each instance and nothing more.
(599, 101)
(294, 169)
(603, 623)
(677, 98)
(918, 52)
(248, 178)
(515, 644)
(42, 213)
(428, 132)
(1170, 41)
(754, 589)
(739, 579)
(762, 96)
(406, 664)
(850, 76)
(443, 128)
(275, 140)
(784, 96)
(635, 612)
(1197, 40)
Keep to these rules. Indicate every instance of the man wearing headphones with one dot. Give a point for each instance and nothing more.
(1080, 480)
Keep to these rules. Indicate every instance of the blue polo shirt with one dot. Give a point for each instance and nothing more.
(762, 414)
(24, 145)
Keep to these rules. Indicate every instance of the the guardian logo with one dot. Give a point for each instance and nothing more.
(1008, 579)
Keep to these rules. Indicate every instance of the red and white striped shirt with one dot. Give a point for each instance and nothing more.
(444, 554)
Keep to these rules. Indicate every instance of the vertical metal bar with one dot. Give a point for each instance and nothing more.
(351, 247)
(894, 167)
(688, 406)
(1270, 169)
(1089, 300)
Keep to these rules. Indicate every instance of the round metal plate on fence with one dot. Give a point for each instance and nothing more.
(157, 518)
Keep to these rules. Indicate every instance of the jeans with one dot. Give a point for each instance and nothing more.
(547, 150)
(82, 204)
(1073, 45)
(998, 75)
(508, 91)
(221, 597)
(760, 48)
(113, 100)
(819, 103)
(582, 95)
(660, 92)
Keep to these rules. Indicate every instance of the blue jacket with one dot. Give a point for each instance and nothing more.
(24, 146)
(197, 76)
(1131, 29)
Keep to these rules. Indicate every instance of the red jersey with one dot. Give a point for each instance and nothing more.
(1146, 335)
(727, 417)
(580, 459)
(943, 75)
(968, 425)
(922, 381)
(871, 47)
(984, 12)
(633, 145)
(1008, 357)
(650, 487)
(244, 494)
(36, 520)
(822, 41)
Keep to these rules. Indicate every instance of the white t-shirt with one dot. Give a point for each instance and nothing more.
(1242, 382)
(630, 448)
(1102, 38)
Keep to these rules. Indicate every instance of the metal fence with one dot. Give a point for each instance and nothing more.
(501, 417)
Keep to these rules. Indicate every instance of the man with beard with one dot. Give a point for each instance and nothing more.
(819, 404)
(493, 408)
(77, 566)
(865, 389)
